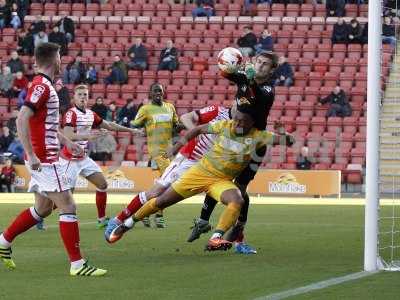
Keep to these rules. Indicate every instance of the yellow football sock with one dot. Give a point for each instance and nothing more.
(146, 210)
(228, 217)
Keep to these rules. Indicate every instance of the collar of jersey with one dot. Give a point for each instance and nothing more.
(47, 77)
(81, 110)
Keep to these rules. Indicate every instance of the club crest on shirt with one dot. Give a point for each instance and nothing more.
(248, 141)
(37, 93)
(160, 118)
(267, 88)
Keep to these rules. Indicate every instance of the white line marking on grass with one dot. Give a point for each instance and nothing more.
(316, 286)
(80, 224)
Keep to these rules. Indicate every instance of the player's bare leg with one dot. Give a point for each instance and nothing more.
(233, 201)
(98, 180)
(25, 220)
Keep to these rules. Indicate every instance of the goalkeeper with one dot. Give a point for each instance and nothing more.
(254, 86)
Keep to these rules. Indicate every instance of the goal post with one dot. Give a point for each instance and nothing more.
(372, 161)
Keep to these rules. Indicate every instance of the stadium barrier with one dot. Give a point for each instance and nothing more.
(266, 182)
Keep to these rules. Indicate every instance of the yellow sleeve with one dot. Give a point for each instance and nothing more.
(265, 138)
(175, 118)
(140, 118)
(217, 127)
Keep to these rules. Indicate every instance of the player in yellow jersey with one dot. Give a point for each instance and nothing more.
(159, 119)
(236, 140)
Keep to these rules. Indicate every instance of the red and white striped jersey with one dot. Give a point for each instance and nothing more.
(42, 98)
(197, 147)
(83, 121)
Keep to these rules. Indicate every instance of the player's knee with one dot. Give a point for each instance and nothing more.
(238, 200)
(233, 196)
(103, 185)
(69, 208)
(44, 211)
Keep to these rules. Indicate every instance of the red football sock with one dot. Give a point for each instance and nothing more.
(130, 209)
(69, 231)
(101, 202)
(22, 223)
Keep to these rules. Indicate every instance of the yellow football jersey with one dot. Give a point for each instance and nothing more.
(231, 152)
(158, 121)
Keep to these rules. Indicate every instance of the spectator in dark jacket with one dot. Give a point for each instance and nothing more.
(138, 56)
(339, 105)
(99, 108)
(339, 34)
(118, 72)
(354, 32)
(91, 74)
(15, 63)
(265, 42)
(169, 57)
(303, 162)
(7, 177)
(364, 35)
(388, 32)
(4, 14)
(75, 71)
(5, 139)
(60, 39)
(37, 26)
(12, 122)
(335, 8)
(67, 26)
(25, 43)
(63, 96)
(247, 42)
(112, 112)
(23, 8)
(283, 73)
(127, 113)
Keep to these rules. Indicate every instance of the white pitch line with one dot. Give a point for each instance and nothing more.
(316, 286)
(80, 224)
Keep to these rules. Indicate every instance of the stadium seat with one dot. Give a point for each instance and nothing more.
(307, 10)
(318, 124)
(107, 10)
(63, 8)
(143, 23)
(92, 9)
(277, 10)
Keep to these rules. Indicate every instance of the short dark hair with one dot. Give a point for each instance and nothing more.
(45, 53)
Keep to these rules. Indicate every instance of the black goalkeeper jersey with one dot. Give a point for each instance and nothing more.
(249, 92)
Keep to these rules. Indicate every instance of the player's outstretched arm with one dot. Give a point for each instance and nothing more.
(23, 132)
(73, 147)
(70, 134)
(190, 120)
(112, 126)
(192, 133)
(283, 139)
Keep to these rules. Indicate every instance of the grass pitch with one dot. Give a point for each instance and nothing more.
(297, 245)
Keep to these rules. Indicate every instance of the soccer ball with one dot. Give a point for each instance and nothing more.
(229, 60)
